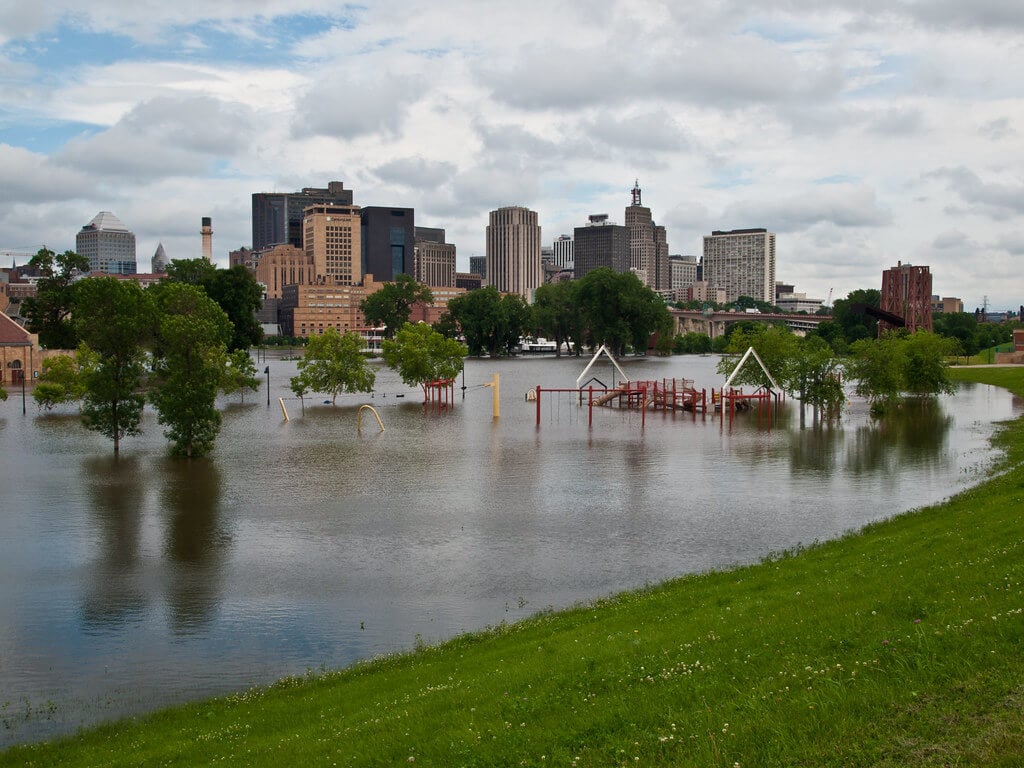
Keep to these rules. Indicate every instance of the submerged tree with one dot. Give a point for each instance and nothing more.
(391, 305)
(235, 290)
(420, 355)
(488, 321)
(114, 321)
(192, 332)
(334, 363)
(556, 315)
(240, 374)
(59, 382)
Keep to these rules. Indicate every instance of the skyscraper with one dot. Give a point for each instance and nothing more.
(600, 244)
(389, 238)
(108, 245)
(648, 245)
(434, 259)
(742, 262)
(563, 250)
(332, 238)
(513, 251)
(277, 216)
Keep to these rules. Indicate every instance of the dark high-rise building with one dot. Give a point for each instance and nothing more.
(600, 244)
(389, 241)
(277, 216)
(478, 266)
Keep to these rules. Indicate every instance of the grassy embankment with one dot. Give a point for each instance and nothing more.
(897, 646)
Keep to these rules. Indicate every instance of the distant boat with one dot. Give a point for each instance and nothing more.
(539, 346)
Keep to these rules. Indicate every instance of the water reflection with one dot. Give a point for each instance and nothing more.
(913, 435)
(113, 593)
(196, 542)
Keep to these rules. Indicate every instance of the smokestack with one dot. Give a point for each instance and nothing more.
(207, 233)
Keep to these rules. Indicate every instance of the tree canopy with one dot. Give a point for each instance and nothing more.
(899, 364)
(333, 363)
(619, 311)
(556, 315)
(48, 312)
(420, 355)
(192, 331)
(114, 319)
(391, 305)
(59, 382)
(488, 321)
(235, 290)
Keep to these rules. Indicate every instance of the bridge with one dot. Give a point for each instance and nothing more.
(714, 323)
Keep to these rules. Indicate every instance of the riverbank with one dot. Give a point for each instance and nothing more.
(895, 646)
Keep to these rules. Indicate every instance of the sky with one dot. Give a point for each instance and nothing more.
(862, 132)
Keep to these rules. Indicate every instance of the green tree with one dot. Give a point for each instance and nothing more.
(857, 325)
(815, 375)
(3, 392)
(391, 305)
(775, 345)
(691, 343)
(235, 290)
(927, 372)
(48, 312)
(240, 374)
(619, 311)
(961, 326)
(488, 321)
(191, 271)
(878, 366)
(237, 293)
(333, 363)
(420, 355)
(59, 382)
(192, 332)
(114, 319)
(556, 315)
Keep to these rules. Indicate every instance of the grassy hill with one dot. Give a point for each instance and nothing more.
(900, 645)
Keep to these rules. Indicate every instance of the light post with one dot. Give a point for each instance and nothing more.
(23, 393)
(267, 371)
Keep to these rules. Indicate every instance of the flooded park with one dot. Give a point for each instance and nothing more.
(300, 544)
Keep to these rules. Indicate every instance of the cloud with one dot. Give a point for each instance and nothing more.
(341, 106)
(416, 172)
(953, 240)
(163, 136)
(999, 201)
(842, 205)
(1011, 242)
(1000, 128)
(33, 178)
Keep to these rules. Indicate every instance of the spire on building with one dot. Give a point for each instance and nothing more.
(159, 263)
(636, 192)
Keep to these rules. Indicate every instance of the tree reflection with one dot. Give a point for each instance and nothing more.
(116, 499)
(914, 434)
(195, 542)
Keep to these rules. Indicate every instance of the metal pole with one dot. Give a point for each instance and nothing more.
(23, 393)
(267, 371)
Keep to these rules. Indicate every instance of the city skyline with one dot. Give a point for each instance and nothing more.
(862, 134)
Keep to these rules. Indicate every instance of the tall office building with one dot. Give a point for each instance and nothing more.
(108, 245)
(389, 239)
(434, 259)
(478, 266)
(513, 251)
(648, 245)
(907, 293)
(562, 248)
(742, 262)
(683, 271)
(600, 244)
(277, 216)
(332, 238)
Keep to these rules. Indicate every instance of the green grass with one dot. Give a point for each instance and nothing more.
(896, 646)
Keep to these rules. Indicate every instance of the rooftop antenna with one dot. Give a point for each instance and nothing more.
(636, 192)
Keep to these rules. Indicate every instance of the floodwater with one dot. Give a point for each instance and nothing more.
(128, 584)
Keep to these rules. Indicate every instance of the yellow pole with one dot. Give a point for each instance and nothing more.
(283, 409)
(496, 395)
